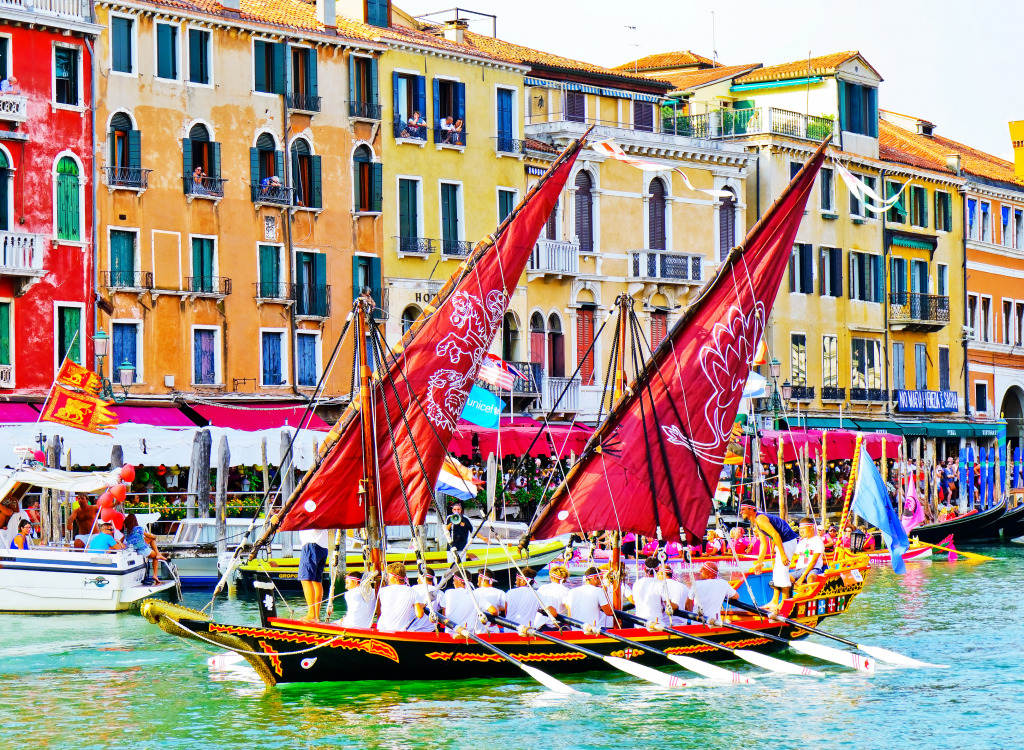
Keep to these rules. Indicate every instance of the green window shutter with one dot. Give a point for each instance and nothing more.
(134, 149)
(279, 163)
(357, 262)
(357, 186)
(948, 200)
(374, 97)
(396, 111)
(194, 56)
(68, 223)
(270, 271)
(254, 167)
(280, 53)
(319, 295)
(421, 97)
(377, 186)
(354, 94)
(924, 208)
(70, 342)
(5, 333)
(460, 102)
(375, 275)
(215, 160)
(437, 104)
(407, 219)
(186, 157)
(259, 54)
(317, 197)
(311, 72)
(872, 113)
(842, 104)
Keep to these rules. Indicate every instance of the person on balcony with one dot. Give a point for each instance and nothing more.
(414, 126)
(10, 86)
(198, 181)
(451, 131)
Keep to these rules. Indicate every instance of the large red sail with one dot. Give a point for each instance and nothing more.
(419, 395)
(654, 463)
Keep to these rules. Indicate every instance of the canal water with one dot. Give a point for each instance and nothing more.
(100, 681)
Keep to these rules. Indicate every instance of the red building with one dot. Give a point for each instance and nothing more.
(46, 190)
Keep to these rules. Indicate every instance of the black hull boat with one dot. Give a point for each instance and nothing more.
(1012, 523)
(973, 528)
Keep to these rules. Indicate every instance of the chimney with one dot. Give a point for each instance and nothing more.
(455, 31)
(953, 162)
(1017, 137)
(327, 13)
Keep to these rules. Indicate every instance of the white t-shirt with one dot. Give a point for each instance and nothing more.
(458, 607)
(358, 612)
(521, 604)
(677, 593)
(584, 604)
(648, 598)
(397, 610)
(607, 621)
(488, 596)
(315, 536)
(553, 595)
(708, 596)
(806, 549)
(431, 595)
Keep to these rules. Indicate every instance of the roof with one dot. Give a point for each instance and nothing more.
(691, 79)
(896, 144)
(815, 66)
(534, 145)
(668, 61)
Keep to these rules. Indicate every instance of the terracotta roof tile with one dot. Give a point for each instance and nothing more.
(690, 79)
(823, 65)
(535, 145)
(294, 14)
(668, 61)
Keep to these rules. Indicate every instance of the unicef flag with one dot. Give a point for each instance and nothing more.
(483, 408)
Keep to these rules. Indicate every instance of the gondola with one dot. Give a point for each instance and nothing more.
(1012, 523)
(973, 528)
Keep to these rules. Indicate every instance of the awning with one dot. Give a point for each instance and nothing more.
(258, 416)
(18, 414)
(878, 425)
(517, 439)
(951, 429)
(914, 429)
(158, 416)
(820, 423)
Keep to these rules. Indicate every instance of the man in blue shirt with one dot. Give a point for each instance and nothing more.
(103, 540)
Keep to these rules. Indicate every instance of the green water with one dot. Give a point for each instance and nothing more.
(99, 681)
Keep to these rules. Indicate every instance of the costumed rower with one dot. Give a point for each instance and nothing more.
(610, 576)
(586, 603)
(769, 527)
(400, 605)
(490, 599)
(427, 590)
(649, 594)
(521, 602)
(674, 593)
(553, 595)
(709, 592)
(359, 605)
(458, 605)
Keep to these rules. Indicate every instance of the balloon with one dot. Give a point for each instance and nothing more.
(39, 456)
(161, 470)
(106, 500)
(106, 513)
(119, 491)
(117, 519)
(128, 473)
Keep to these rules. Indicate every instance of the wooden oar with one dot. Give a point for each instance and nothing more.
(882, 654)
(637, 670)
(827, 653)
(753, 657)
(969, 555)
(544, 679)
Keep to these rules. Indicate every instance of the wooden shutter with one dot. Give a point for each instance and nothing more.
(726, 227)
(279, 163)
(505, 114)
(794, 256)
(319, 292)
(408, 221)
(259, 53)
(437, 103)
(280, 51)
(270, 271)
(537, 346)
(254, 167)
(823, 270)
(186, 158)
(843, 117)
(355, 93)
(395, 103)
(659, 328)
(853, 276)
(584, 338)
(943, 364)
(460, 103)
(836, 258)
(374, 96)
(556, 354)
(879, 278)
(134, 149)
(421, 96)
(656, 215)
(376, 186)
(5, 333)
(317, 197)
(214, 150)
(584, 212)
(806, 269)
(449, 213)
(311, 73)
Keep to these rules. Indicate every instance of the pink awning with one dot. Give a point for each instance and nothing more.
(840, 444)
(18, 414)
(158, 416)
(253, 417)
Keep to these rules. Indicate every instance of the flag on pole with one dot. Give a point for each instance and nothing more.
(74, 375)
(871, 502)
(499, 373)
(913, 510)
(79, 410)
(456, 480)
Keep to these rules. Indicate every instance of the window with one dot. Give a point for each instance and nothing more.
(656, 215)
(866, 279)
(509, 338)
(270, 285)
(204, 356)
(305, 86)
(726, 225)
(584, 339)
(201, 163)
(125, 152)
(794, 169)
(943, 211)
(1007, 321)
(5, 335)
(167, 51)
(972, 218)
(312, 295)
(408, 214)
(1005, 231)
(899, 370)
(801, 269)
(505, 115)
(451, 214)
(368, 181)
(125, 349)
(921, 367)
(827, 185)
(551, 225)
(830, 272)
(66, 71)
(986, 319)
(122, 44)
(556, 347)
(866, 363)
(1018, 325)
(203, 265)
(409, 316)
(69, 334)
(659, 328)
(269, 62)
(449, 112)
(506, 203)
(898, 276)
(307, 369)
(981, 397)
(919, 276)
(575, 106)
(122, 259)
(5, 68)
(271, 354)
(377, 13)
(798, 358)
(972, 315)
(69, 210)
(306, 175)
(265, 163)
(942, 280)
(584, 212)
(858, 109)
(898, 213)
(918, 206)
(199, 56)
(986, 222)
(944, 368)
(1018, 228)
(410, 106)
(362, 88)
(857, 207)
(829, 361)
(366, 276)
(643, 116)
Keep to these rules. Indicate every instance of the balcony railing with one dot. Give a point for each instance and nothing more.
(21, 253)
(126, 279)
(204, 187)
(869, 394)
(301, 102)
(213, 286)
(831, 393)
(380, 299)
(6, 376)
(922, 311)
(520, 387)
(278, 290)
(672, 267)
(506, 145)
(312, 300)
(444, 137)
(802, 393)
(74, 9)
(456, 248)
(13, 108)
(416, 245)
(556, 257)
(274, 195)
(133, 178)
(364, 110)
(733, 123)
(551, 390)
(405, 131)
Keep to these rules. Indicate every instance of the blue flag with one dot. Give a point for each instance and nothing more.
(482, 408)
(871, 502)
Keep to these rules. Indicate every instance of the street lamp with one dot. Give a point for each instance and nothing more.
(778, 395)
(126, 373)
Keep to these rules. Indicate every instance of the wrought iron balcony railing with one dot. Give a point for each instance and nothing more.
(661, 264)
(275, 195)
(508, 145)
(302, 102)
(456, 248)
(209, 187)
(133, 178)
(276, 290)
(869, 394)
(126, 279)
(911, 307)
(456, 138)
(312, 300)
(520, 387)
(802, 393)
(407, 132)
(416, 245)
(364, 110)
(831, 393)
(214, 286)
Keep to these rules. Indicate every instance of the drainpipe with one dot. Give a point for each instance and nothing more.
(92, 127)
(289, 214)
(885, 303)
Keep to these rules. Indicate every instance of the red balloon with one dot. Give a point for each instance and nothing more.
(106, 514)
(117, 519)
(119, 491)
(106, 500)
(128, 473)
(39, 456)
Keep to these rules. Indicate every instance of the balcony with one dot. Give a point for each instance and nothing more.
(555, 258)
(456, 248)
(877, 395)
(127, 178)
(364, 110)
(204, 187)
(449, 138)
(21, 254)
(909, 311)
(668, 267)
(13, 108)
(274, 291)
(507, 145)
(216, 287)
(75, 10)
(301, 102)
(311, 300)
(380, 299)
(802, 393)
(422, 246)
(739, 123)
(831, 393)
(406, 132)
(6, 376)
(126, 281)
(520, 388)
(272, 195)
(551, 391)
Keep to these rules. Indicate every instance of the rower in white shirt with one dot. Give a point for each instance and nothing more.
(400, 605)
(489, 599)
(649, 593)
(553, 596)
(709, 592)
(609, 586)
(675, 593)
(358, 611)
(521, 602)
(428, 591)
(588, 602)
(458, 606)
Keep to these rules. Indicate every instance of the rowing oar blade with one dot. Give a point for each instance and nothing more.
(645, 673)
(891, 657)
(846, 658)
(711, 671)
(775, 665)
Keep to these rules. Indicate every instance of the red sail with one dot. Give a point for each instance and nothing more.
(422, 393)
(654, 463)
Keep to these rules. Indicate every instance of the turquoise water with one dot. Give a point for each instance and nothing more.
(99, 681)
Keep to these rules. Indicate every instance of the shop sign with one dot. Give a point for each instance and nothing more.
(935, 401)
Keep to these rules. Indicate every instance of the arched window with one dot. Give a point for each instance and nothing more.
(125, 152)
(556, 347)
(656, 215)
(368, 185)
(69, 217)
(306, 175)
(5, 216)
(409, 316)
(201, 162)
(726, 225)
(585, 315)
(269, 164)
(537, 343)
(585, 212)
(509, 338)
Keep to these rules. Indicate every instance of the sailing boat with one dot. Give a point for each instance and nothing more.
(378, 464)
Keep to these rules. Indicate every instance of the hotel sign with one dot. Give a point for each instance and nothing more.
(936, 401)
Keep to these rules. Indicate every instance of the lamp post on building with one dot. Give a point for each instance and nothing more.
(778, 395)
(126, 372)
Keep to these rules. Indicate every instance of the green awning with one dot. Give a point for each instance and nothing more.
(879, 425)
(950, 429)
(914, 429)
(819, 423)
(989, 430)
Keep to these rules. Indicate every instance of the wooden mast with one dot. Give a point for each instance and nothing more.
(625, 307)
(368, 484)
